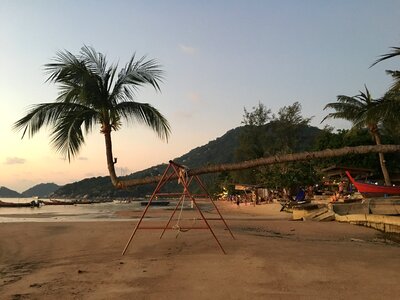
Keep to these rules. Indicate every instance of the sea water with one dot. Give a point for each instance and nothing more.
(78, 212)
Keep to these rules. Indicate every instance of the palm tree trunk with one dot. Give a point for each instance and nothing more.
(110, 159)
(382, 159)
(269, 161)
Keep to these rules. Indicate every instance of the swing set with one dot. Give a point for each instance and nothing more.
(180, 172)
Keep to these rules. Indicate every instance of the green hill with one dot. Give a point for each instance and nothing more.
(218, 151)
(7, 193)
(41, 190)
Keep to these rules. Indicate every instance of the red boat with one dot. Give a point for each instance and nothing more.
(373, 189)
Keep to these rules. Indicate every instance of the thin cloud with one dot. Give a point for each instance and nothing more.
(187, 49)
(15, 161)
(194, 97)
(94, 174)
(183, 114)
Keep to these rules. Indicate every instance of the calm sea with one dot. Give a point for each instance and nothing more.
(50, 213)
(62, 213)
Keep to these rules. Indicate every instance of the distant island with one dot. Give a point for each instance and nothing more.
(42, 190)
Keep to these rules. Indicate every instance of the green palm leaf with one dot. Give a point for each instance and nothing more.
(395, 52)
(145, 114)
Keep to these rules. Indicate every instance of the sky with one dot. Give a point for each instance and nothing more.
(219, 57)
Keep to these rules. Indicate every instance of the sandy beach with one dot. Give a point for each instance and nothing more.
(272, 257)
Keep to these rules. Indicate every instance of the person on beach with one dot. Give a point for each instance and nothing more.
(341, 188)
(300, 196)
(335, 197)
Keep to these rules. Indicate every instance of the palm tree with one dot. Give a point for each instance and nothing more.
(90, 95)
(390, 107)
(362, 111)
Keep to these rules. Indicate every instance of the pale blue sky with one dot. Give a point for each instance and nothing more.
(219, 56)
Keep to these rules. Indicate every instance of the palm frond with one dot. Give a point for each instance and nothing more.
(55, 115)
(94, 61)
(67, 136)
(346, 108)
(396, 80)
(40, 115)
(134, 75)
(65, 66)
(357, 109)
(77, 78)
(146, 114)
(395, 52)
(389, 106)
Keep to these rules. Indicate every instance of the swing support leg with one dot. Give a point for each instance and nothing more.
(170, 218)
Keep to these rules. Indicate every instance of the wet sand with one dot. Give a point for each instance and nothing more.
(271, 258)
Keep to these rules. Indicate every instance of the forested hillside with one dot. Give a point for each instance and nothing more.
(41, 190)
(262, 135)
(221, 150)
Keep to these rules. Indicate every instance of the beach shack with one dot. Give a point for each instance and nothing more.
(253, 193)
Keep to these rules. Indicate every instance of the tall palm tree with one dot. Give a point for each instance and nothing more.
(91, 94)
(362, 111)
(390, 107)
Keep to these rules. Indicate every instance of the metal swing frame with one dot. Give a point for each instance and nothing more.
(185, 179)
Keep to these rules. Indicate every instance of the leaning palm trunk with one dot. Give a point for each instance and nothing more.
(110, 159)
(328, 153)
(382, 160)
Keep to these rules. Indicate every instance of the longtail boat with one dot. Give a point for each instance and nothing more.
(56, 202)
(12, 204)
(155, 203)
(373, 189)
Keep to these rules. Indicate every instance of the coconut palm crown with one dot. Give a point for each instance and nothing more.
(92, 94)
(364, 112)
(390, 108)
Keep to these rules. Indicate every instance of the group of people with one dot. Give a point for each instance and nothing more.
(302, 194)
(237, 199)
(340, 192)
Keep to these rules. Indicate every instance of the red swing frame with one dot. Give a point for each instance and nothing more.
(181, 173)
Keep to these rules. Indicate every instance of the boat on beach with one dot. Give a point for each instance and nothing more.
(25, 204)
(39, 203)
(368, 189)
(56, 202)
(155, 203)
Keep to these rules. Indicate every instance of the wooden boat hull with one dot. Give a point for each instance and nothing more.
(155, 203)
(10, 204)
(372, 189)
(53, 202)
(289, 206)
